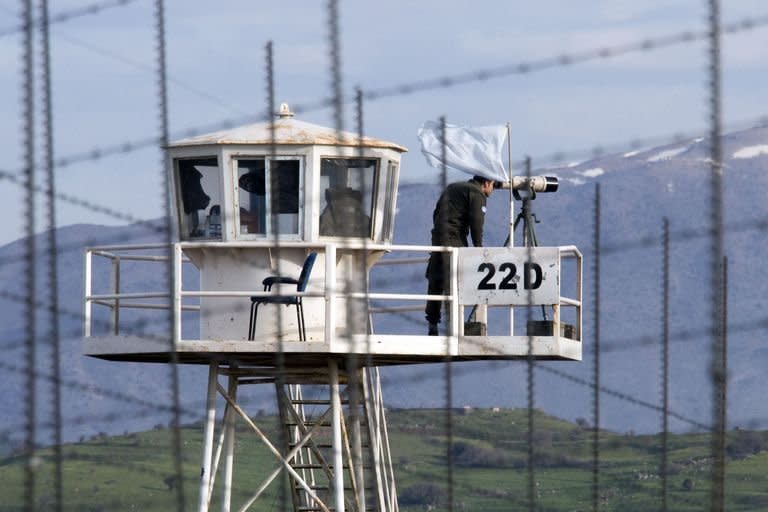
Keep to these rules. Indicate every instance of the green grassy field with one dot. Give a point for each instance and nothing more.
(489, 453)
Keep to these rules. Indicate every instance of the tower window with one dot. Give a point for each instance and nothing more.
(269, 193)
(199, 196)
(346, 196)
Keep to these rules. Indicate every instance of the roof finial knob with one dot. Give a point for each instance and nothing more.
(285, 111)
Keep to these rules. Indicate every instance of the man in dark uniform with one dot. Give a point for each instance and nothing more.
(460, 211)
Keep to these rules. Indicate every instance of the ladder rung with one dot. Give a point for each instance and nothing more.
(312, 422)
(307, 466)
(363, 446)
(321, 466)
(308, 423)
(309, 401)
(325, 488)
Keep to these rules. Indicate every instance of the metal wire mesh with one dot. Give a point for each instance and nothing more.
(178, 476)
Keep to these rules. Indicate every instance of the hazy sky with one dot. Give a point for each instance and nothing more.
(105, 91)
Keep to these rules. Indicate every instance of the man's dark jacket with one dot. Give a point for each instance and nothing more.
(460, 211)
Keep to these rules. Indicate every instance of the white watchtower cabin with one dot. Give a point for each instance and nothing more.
(283, 221)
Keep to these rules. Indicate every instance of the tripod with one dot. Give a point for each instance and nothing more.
(529, 221)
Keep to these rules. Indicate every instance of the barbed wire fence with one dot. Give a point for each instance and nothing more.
(33, 340)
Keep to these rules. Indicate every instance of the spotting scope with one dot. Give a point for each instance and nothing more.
(534, 183)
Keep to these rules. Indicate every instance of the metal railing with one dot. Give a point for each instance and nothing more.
(116, 299)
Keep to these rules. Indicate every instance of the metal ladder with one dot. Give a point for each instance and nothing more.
(307, 416)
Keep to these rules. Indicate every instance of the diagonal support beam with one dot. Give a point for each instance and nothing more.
(304, 431)
(266, 483)
(271, 447)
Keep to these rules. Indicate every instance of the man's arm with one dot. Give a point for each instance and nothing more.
(476, 217)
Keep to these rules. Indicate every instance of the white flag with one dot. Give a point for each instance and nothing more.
(470, 149)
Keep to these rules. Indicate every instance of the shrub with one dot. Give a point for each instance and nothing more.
(470, 455)
(423, 494)
(745, 443)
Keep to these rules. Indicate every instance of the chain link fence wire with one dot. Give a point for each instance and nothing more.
(52, 282)
(173, 329)
(664, 434)
(596, 352)
(30, 250)
(180, 476)
(718, 369)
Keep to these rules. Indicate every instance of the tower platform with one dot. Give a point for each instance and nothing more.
(326, 338)
(373, 350)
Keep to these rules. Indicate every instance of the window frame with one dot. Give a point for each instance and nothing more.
(183, 218)
(390, 206)
(374, 192)
(235, 173)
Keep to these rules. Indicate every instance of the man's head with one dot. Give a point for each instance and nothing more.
(486, 185)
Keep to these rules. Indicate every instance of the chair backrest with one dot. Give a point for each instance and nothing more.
(305, 271)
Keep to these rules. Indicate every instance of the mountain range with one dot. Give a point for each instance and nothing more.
(637, 191)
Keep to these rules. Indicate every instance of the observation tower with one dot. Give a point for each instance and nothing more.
(283, 221)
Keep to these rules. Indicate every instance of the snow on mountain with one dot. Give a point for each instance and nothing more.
(667, 154)
(751, 151)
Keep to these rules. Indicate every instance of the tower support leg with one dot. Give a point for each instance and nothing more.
(324, 476)
(338, 454)
(355, 396)
(229, 446)
(210, 424)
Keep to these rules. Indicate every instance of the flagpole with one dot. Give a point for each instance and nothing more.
(511, 196)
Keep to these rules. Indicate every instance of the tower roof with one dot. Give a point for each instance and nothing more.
(287, 131)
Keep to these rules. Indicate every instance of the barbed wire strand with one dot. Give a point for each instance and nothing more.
(717, 489)
(128, 147)
(52, 261)
(718, 297)
(596, 352)
(68, 15)
(30, 317)
(626, 245)
(352, 319)
(679, 336)
(200, 93)
(96, 154)
(623, 396)
(682, 335)
(530, 241)
(564, 60)
(192, 413)
(170, 275)
(285, 490)
(664, 463)
(416, 378)
(450, 474)
(90, 388)
(88, 205)
(361, 366)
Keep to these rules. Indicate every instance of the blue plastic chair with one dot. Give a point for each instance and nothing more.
(288, 300)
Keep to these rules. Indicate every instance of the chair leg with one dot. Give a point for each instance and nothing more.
(303, 322)
(252, 322)
(300, 319)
